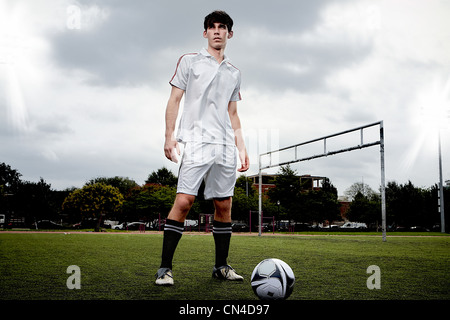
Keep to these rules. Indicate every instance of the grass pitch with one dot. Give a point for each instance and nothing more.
(121, 266)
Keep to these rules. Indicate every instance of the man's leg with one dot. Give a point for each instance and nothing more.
(222, 236)
(173, 230)
(222, 229)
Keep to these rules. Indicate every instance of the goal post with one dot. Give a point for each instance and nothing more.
(327, 153)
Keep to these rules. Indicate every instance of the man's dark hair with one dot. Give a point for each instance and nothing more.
(220, 17)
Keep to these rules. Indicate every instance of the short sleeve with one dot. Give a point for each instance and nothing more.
(180, 78)
(236, 96)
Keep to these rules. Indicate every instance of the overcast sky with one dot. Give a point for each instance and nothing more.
(84, 84)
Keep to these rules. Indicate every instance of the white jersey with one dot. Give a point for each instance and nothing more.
(209, 87)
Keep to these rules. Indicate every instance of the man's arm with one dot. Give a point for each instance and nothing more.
(173, 106)
(239, 139)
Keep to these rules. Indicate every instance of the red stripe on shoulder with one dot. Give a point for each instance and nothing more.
(178, 63)
(233, 66)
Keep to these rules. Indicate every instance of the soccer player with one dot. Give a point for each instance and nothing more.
(210, 131)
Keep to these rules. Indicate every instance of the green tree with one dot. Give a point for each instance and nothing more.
(147, 202)
(287, 192)
(407, 205)
(365, 209)
(359, 187)
(123, 184)
(9, 185)
(98, 201)
(34, 201)
(245, 184)
(9, 178)
(161, 198)
(319, 205)
(245, 199)
(163, 177)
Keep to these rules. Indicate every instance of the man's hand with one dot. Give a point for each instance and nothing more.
(171, 149)
(245, 161)
(239, 140)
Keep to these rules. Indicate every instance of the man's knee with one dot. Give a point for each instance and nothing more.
(223, 208)
(184, 202)
(181, 207)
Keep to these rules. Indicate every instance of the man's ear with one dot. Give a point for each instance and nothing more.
(230, 34)
(204, 34)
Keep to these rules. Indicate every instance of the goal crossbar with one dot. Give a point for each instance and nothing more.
(327, 153)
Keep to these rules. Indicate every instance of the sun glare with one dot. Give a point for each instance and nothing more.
(21, 52)
(12, 47)
(431, 115)
(434, 106)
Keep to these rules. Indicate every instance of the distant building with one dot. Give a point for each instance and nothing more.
(307, 181)
(345, 206)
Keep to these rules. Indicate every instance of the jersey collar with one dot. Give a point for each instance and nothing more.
(205, 53)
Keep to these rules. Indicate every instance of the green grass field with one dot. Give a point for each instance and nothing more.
(33, 266)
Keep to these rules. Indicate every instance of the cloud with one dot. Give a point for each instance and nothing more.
(302, 58)
(85, 85)
(128, 44)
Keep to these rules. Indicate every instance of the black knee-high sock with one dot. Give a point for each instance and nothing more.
(173, 230)
(222, 236)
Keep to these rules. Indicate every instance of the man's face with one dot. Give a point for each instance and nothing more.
(217, 35)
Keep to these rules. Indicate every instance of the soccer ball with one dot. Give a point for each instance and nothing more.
(273, 279)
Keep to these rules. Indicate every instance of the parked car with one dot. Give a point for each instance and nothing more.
(331, 227)
(190, 223)
(47, 224)
(119, 226)
(157, 224)
(354, 225)
(76, 225)
(419, 229)
(239, 227)
(129, 226)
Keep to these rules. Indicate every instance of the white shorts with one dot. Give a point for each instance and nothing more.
(216, 164)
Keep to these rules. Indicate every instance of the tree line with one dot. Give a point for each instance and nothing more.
(122, 199)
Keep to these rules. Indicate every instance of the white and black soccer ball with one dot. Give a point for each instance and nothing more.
(273, 279)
